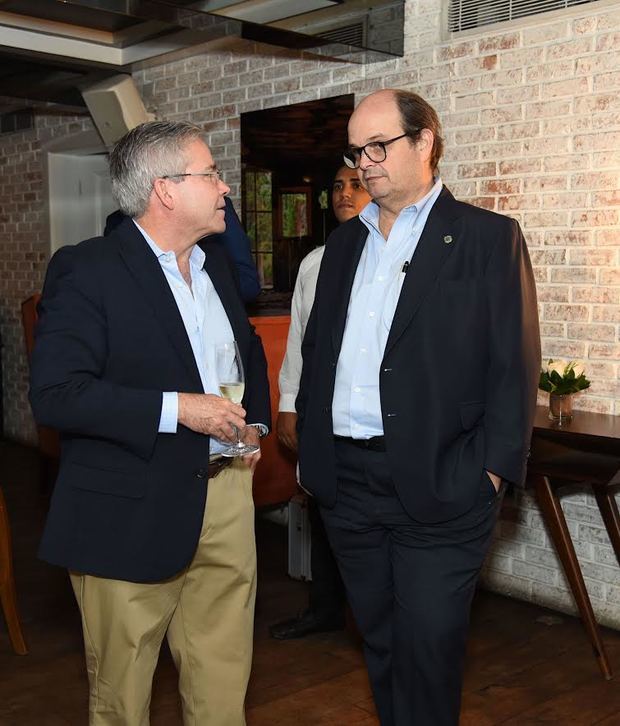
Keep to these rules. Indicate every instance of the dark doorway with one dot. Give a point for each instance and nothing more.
(289, 156)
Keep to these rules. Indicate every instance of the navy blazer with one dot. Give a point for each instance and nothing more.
(460, 370)
(234, 240)
(129, 502)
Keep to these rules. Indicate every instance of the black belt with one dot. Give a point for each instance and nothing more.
(374, 443)
(217, 465)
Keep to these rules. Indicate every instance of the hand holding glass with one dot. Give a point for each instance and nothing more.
(229, 371)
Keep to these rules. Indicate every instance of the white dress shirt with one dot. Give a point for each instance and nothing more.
(356, 405)
(301, 306)
(197, 305)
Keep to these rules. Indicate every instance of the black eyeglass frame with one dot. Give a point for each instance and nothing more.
(353, 155)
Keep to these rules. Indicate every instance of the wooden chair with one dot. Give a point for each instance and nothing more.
(552, 466)
(48, 439)
(8, 596)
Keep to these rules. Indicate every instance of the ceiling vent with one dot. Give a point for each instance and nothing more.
(352, 34)
(16, 121)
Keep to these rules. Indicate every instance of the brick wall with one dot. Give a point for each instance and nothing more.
(24, 251)
(531, 118)
(532, 123)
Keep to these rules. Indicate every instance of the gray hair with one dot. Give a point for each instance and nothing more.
(148, 152)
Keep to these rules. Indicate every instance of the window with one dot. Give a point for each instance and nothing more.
(258, 220)
(466, 14)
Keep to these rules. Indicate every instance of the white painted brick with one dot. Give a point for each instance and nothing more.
(531, 115)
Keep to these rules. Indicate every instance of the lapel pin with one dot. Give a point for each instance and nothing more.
(447, 239)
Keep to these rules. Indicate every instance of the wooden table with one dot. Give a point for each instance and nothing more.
(584, 450)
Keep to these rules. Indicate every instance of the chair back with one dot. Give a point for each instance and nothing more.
(275, 480)
(49, 439)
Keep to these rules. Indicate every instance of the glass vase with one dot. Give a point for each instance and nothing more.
(561, 407)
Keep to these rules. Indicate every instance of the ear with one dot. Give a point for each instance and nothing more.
(162, 191)
(425, 143)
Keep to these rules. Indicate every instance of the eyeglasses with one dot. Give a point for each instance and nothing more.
(375, 151)
(214, 173)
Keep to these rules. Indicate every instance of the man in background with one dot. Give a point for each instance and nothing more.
(327, 600)
(155, 527)
(420, 368)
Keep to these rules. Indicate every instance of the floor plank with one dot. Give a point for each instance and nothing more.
(525, 664)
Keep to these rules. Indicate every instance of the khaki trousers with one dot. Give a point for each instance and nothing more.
(206, 612)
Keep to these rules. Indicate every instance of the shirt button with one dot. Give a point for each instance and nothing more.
(371, 314)
(362, 350)
(381, 278)
(357, 389)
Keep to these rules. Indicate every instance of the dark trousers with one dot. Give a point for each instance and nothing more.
(327, 599)
(410, 587)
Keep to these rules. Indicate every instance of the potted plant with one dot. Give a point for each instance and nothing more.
(561, 379)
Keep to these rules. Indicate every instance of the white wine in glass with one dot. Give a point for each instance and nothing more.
(231, 381)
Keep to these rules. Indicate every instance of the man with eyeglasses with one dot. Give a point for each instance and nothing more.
(420, 367)
(326, 606)
(154, 525)
(233, 239)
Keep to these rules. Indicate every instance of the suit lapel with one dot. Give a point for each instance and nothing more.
(151, 280)
(438, 240)
(349, 260)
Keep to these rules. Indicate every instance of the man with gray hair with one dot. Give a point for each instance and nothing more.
(153, 523)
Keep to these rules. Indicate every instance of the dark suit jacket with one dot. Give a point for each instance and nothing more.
(460, 370)
(234, 240)
(129, 502)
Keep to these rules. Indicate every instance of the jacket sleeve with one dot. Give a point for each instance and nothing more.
(514, 356)
(257, 401)
(68, 389)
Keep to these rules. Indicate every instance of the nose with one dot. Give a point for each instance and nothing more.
(365, 161)
(222, 187)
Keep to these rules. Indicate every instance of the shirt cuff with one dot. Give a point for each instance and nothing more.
(287, 402)
(262, 429)
(169, 417)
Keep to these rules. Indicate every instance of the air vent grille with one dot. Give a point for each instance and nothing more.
(467, 14)
(350, 34)
(13, 121)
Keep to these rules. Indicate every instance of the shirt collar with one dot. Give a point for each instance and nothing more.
(370, 214)
(196, 258)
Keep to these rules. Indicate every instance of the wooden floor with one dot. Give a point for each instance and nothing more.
(526, 665)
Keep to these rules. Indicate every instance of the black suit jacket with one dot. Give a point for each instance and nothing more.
(460, 370)
(234, 240)
(129, 502)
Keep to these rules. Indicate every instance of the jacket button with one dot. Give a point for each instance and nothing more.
(201, 474)
(325, 409)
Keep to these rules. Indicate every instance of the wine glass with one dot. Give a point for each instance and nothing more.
(231, 381)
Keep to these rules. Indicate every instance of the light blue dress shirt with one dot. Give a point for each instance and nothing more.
(197, 305)
(356, 405)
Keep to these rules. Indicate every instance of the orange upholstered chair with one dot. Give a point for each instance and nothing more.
(274, 479)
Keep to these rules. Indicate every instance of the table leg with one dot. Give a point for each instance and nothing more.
(609, 512)
(554, 518)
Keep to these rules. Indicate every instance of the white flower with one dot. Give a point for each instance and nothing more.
(559, 366)
(579, 368)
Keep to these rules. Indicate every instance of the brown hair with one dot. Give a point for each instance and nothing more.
(417, 114)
